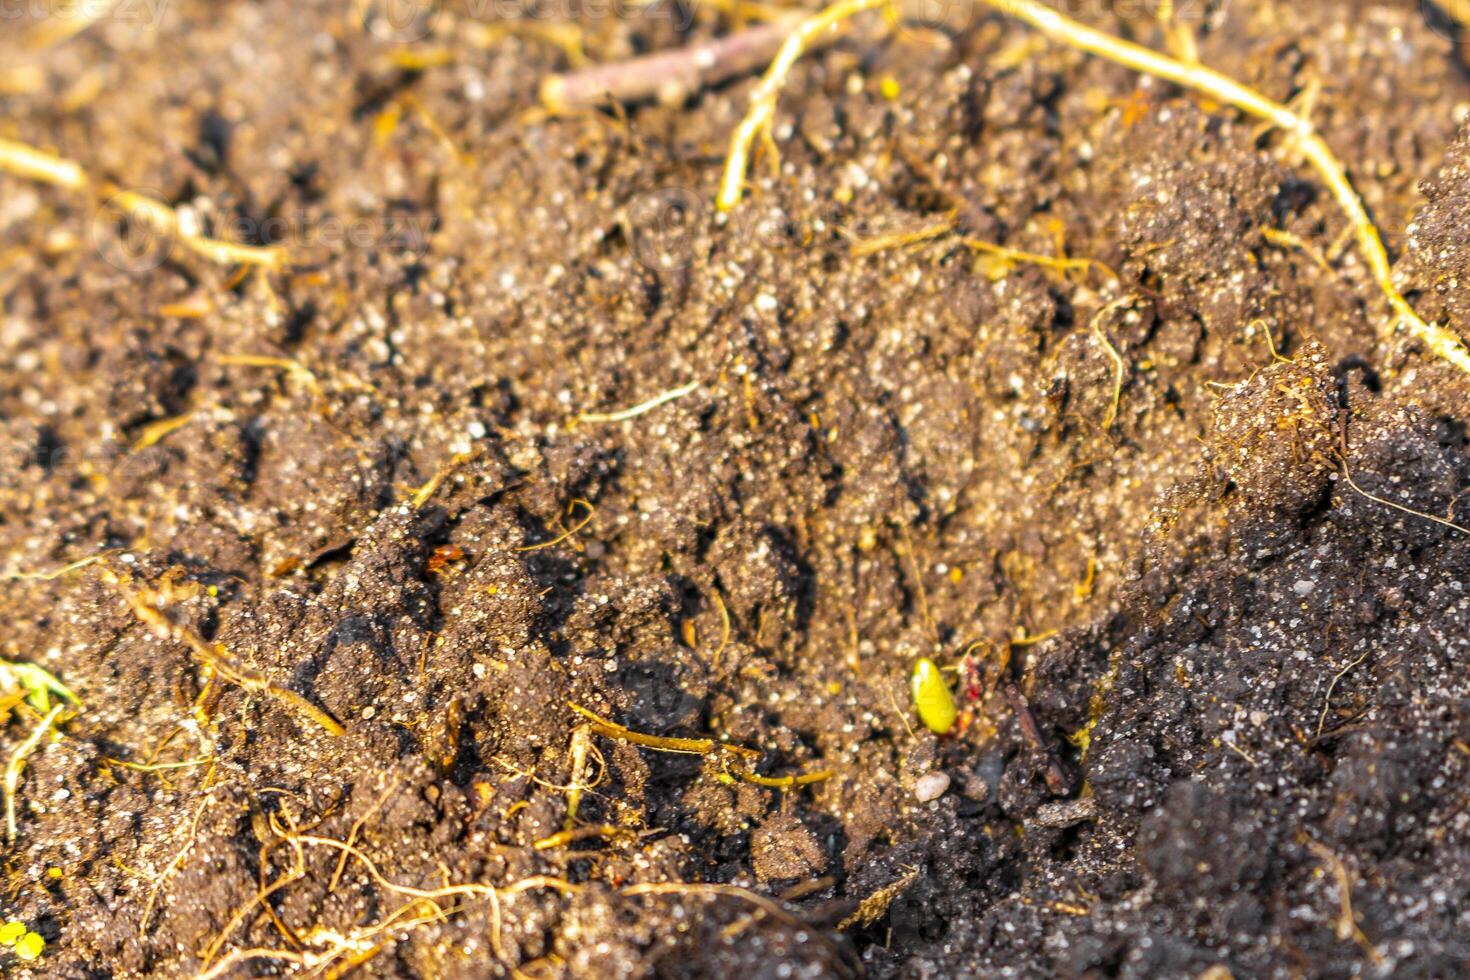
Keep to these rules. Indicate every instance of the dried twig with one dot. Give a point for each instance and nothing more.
(1057, 780)
(669, 76)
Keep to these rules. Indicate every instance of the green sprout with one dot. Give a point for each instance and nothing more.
(38, 684)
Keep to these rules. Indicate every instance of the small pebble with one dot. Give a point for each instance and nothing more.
(931, 786)
(1065, 813)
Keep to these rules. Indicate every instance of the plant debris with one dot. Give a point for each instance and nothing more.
(1035, 356)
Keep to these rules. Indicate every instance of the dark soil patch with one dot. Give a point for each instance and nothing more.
(1256, 670)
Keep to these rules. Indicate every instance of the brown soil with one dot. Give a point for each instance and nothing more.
(889, 456)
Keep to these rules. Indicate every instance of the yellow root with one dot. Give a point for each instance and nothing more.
(1445, 521)
(156, 432)
(423, 494)
(17, 763)
(330, 953)
(179, 858)
(1064, 30)
(1013, 256)
(580, 748)
(564, 837)
(46, 168)
(1285, 239)
(54, 574)
(787, 782)
(213, 658)
(735, 760)
(637, 410)
(1120, 368)
(567, 533)
(1347, 922)
(295, 369)
(763, 99)
(21, 80)
(611, 729)
(863, 247)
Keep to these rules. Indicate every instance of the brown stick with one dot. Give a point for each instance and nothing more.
(1056, 777)
(669, 76)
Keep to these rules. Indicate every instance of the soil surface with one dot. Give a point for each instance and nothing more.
(1217, 703)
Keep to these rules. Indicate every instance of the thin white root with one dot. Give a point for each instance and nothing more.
(637, 410)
